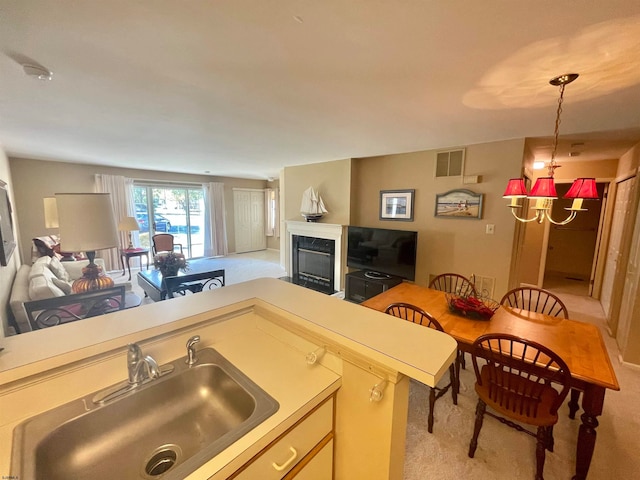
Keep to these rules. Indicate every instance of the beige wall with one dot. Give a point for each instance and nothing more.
(446, 245)
(35, 179)
(629, 162)
(8, 273)
(599, 169)
(331, 179)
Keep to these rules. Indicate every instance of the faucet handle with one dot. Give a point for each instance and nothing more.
(191, 349)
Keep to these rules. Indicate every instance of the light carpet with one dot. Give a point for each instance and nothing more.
(504, 453)
(238, 268)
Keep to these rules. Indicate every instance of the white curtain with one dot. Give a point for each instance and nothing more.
(271, 212)
(215, 225)
(131, 211)
(121, 192)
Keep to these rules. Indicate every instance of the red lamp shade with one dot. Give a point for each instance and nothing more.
(584, 188)
(544, 188)
(515, 189)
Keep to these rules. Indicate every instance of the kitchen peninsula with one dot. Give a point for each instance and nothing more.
(303, 347)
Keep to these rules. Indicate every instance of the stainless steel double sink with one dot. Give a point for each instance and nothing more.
(163, 429)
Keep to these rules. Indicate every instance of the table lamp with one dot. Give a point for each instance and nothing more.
(128, 224)
(86, 225)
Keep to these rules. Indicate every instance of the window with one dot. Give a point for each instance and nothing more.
(271, 215)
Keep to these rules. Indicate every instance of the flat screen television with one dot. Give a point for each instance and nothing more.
(381, 252)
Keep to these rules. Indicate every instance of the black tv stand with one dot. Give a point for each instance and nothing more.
(360, 286)
(376, 275)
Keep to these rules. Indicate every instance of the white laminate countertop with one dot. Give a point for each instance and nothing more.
(265, 327)
(418, 352)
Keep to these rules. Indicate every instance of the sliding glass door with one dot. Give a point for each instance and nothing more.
(175, 209)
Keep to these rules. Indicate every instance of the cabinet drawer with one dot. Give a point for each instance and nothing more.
(282, 456)
(320, 467)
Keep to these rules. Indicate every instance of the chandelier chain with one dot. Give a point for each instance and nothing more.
(556, 132)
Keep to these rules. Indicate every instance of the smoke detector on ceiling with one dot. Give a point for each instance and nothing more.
(37, 71)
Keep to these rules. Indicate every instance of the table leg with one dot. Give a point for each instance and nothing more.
(128, 266)
(592, 403)
(573, 403)
(122, 263)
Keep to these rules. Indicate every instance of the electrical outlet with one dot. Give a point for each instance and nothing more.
(490, 229)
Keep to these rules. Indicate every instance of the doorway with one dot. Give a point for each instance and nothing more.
(572, 248)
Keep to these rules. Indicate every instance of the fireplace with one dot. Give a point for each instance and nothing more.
(312, 263)
(314, 255)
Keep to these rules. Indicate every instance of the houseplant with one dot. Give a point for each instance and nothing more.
(170, 263)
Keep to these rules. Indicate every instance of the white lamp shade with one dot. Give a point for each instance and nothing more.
(86, 222)
(128, 224)
(50, 212)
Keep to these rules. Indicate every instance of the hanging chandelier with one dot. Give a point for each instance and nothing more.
(544, 190)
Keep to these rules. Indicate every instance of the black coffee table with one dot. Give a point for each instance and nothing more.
(152, 283)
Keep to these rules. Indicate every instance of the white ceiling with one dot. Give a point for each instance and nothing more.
(245, 87)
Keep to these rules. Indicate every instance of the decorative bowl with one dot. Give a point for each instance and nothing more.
(472, 307)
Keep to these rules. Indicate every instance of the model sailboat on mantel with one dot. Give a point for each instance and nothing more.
(312, 207)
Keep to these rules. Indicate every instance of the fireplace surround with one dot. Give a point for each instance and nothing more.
(312, 263)
(318, 260)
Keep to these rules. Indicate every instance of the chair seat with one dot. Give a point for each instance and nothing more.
(510, 400)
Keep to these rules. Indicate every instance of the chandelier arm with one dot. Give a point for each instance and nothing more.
(571, 216)
(524, 220)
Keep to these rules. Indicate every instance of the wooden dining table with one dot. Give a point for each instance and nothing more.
(579, 344)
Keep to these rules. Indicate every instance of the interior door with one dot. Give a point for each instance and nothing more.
(248, 206)
(258, 237)
(242, 215)
(629, 294)
(620, 214)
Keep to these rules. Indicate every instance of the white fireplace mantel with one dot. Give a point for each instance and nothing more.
(329, 231)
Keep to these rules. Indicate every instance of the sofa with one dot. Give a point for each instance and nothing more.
(47, 277)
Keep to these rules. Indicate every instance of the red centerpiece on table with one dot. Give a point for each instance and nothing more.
(472, 307)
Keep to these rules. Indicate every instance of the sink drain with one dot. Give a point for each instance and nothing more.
(162, 460)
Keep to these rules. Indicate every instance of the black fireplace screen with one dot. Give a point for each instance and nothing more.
(314, 262)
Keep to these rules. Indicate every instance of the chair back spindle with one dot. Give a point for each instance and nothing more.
(454, 283)
(413, 314)
(535, 300)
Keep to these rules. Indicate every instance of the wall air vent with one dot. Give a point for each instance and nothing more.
(484, 285)
(450, 163)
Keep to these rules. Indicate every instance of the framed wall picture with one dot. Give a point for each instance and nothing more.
(6, 226)
(396, 205)
(459, 204)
